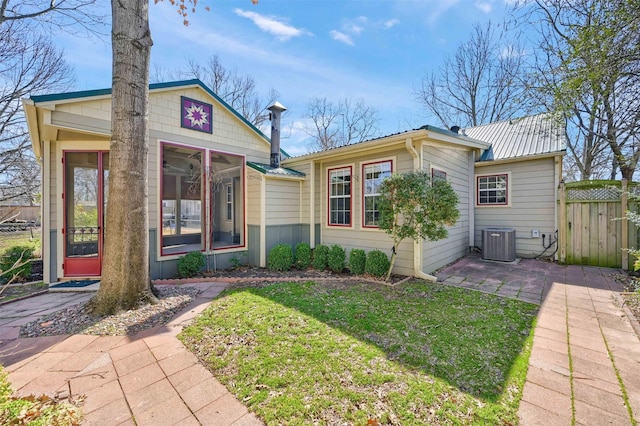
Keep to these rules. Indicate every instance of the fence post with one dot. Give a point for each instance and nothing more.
(624, 201)
(562, 222)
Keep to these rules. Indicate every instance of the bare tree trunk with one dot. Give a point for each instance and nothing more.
(125, 269)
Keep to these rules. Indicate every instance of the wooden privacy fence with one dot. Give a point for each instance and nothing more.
(593, 230)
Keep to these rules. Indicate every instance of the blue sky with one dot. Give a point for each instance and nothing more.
(375, 50)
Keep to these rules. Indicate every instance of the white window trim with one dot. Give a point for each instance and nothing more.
(228, 191)
(509, 185)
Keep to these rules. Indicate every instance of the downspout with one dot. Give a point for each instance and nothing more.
(45, 219)
(263, 221)
(312, 205)
(417, 244)
(472, 210)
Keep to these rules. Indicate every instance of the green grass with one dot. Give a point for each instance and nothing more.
(34, 411)
(20, 238)
(337, 353)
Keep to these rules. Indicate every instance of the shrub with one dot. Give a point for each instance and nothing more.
(357, 261)
(303, 256)
(320, 257)
(236, 260)
(280, 258)
(377, 263)
(336, 258)
(190, 264)
(11, 256)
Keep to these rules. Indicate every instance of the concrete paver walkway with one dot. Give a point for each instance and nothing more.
(585, 358)
(16, 314)
(146, 379)
(583, 368)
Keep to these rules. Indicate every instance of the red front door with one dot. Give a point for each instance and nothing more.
(85, 184)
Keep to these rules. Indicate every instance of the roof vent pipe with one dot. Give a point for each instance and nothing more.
(455, 129)
(276, 110)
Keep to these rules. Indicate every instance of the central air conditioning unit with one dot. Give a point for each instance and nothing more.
(499, 244)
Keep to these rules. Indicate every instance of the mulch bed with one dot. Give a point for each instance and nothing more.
(19, 291)
(251, 274)
(631, 294)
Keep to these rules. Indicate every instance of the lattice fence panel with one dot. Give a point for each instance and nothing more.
(593, 194)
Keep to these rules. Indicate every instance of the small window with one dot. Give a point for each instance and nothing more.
(229, 196)
(373, 175)
(340, 196)
(492, 190)
(438, 175)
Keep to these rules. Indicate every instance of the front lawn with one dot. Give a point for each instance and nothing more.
(336, 353)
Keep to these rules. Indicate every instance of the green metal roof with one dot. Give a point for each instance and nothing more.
(273, 171)
(154, 86)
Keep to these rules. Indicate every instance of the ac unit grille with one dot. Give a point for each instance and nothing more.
(499, 244)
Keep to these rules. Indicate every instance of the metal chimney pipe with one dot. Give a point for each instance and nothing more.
(276, 110)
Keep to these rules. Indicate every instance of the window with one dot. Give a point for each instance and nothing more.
(182, 199)
(229, 191)
(438, 175)
(226, 183)
(190, 223)
(492, 190)
(340, 196)
(372, 176)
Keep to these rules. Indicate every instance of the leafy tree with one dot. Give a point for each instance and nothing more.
(593, 53)
(340, 124)
(413, 206)
(480, 84)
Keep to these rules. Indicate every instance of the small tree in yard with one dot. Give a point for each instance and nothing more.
(413, 206)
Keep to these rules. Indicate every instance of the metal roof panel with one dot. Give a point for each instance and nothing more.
(522, 137)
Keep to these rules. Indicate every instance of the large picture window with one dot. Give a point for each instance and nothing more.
(182, 199)
(202, 202)
(372, 176)
(226, 182)
(340, 196)
(492, 190)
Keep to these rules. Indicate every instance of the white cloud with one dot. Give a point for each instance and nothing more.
(353, 28)
(437, 9)
(484, 6)
(272, 25)
(391, 23)
(341, 37)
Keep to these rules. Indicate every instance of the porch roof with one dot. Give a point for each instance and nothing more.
(266, 169)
